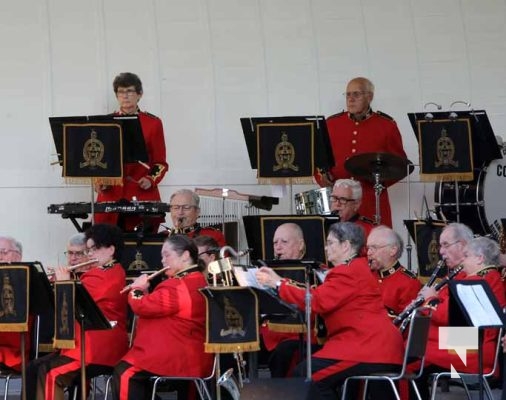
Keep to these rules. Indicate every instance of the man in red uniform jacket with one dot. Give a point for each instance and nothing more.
(362, 130)
(398, 285)
(11, 251)
(184, 212)
(345, 201)
(140, 180)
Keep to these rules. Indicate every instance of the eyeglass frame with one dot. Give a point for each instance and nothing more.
(71, 253)
(126, 92)
(184, 207)
(446, 245)
(374, 248)
(341, 200)
(356, 94)
(4, 252)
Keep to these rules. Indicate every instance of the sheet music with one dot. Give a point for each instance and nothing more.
(247, 277)
(321, 274)
(478, 305)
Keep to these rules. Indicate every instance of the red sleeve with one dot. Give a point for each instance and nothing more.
(165, 300)
(155, 145)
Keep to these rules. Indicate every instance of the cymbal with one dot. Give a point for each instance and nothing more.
(390, 167)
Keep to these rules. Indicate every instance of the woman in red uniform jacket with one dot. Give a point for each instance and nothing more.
(49, 375)
(351, 305)
(170, 334)
(140, 180)
(481, 257)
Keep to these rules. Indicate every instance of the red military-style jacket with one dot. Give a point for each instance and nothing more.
(444, 358)
(10, 347)
(378, 132)
(398, 287)
(152, 130)
(349, 301)
(104, 347)
(170, 333)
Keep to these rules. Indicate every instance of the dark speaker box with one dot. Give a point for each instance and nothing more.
(276, 388)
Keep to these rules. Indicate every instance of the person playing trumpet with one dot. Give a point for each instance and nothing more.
(184, 212)
(49, 375)
(170, 333)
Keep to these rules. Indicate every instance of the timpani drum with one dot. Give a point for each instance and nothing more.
(481, 202)
(313, 202)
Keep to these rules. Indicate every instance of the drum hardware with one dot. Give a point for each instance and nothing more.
(378, 168)
(313, 202)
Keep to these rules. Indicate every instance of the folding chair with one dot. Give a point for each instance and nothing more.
(200, 383)
(471, 377)
(415, 351)
(8, 374)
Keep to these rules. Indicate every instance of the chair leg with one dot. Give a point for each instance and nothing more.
(344, 389)
(415, 388)
(466, 389)
(7, 380)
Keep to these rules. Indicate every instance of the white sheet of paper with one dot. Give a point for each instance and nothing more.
(478, 305)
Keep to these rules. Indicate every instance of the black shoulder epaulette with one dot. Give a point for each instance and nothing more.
(386, 116)
(337, 115)
(409, 273)
(151, 115)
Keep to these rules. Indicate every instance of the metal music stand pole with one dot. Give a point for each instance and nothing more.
(308, 326)
(378, 188)
(92, 201)
(408, 241)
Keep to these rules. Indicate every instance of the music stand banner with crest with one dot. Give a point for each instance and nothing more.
(64, 331)
(285, 153)
(446, 149)
(426, 236)
(15, 300)
(231, 320)
(93, 150)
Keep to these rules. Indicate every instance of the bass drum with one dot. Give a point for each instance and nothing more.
(480, 201)
(313, 202)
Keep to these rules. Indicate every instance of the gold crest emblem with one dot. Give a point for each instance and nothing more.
(445, 149)
(285, 154)
(8, 298)
(233, 320)
(93, 152)
(64, 327)
(432, 253)
(138, 264)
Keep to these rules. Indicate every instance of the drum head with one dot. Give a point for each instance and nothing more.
(493, 188)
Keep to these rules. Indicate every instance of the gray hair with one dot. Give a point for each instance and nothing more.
(460, 232)
(355, 186)
(393, 238)
(365, 83)
(349, 231)
(485, 247)
(187, 192)
(78, 239)
(15, 244)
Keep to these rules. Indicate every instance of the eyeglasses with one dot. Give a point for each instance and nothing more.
(354, 95)
(445, 245)
(376, 247)
(340, 200)
(70, 253)
(184, 207)
(4, 252)
(91, 249)
(126, 92)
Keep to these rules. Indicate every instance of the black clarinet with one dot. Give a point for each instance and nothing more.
(420, 300)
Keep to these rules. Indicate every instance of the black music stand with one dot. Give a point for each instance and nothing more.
(90, 317)
(485, 147)
(425, 233)
(260, 232)
(134, 146)
(323, 156)
(40, 302)
(472, 303)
